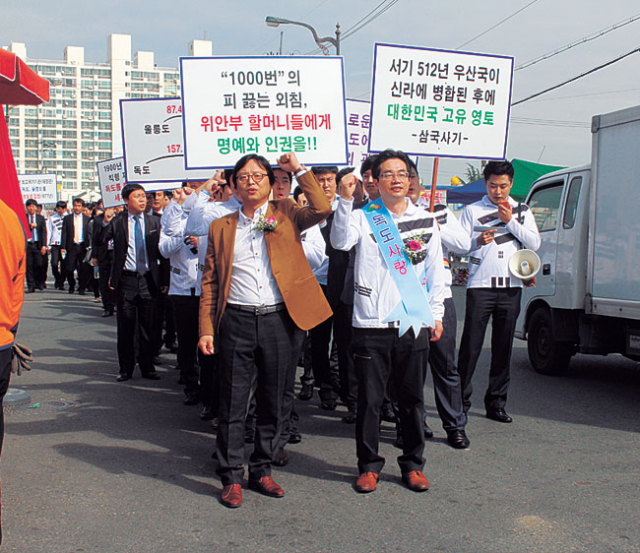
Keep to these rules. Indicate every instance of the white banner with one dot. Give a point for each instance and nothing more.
(268, 105)
(440, 103)
(152, 138)
(111, 179)
(42, 188)
(358, 131)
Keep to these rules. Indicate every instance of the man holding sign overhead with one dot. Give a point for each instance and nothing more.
(398, 258)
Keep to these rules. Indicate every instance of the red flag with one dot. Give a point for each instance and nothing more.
(10, 192)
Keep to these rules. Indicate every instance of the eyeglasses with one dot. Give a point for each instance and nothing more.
(400, 175)
(256, 177)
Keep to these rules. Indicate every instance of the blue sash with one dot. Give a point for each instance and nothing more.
(413, 311)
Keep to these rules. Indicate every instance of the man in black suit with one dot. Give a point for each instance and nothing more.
(138, 274)
(102, 253)
(36, 247)
(75, 239)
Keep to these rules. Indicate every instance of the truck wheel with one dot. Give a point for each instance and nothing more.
(546, 354)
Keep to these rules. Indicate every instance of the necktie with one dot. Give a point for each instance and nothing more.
(77, 238)
(141, 264)
(34, 231)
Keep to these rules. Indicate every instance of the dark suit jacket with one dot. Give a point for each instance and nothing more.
(66, 240)
(118, 230)
(100, 247)
(300, 290)
(41, 228)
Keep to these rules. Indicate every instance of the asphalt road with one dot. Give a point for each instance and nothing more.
(92, 465)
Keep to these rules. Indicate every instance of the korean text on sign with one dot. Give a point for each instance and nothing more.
(263, 105)
(440, 103)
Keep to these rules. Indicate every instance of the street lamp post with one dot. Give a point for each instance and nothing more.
(276, 21)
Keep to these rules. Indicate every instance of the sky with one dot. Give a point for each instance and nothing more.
(552, 129)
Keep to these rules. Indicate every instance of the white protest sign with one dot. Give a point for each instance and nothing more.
(440, 103)
(42, 188)
(358, 131)
(152, 142)
(266, 105)
(111, 179)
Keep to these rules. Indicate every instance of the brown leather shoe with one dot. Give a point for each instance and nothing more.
(416, 481)
(266, 486)
(232, 496)
(367, 482)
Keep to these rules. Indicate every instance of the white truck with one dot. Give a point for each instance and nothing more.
(587, 293)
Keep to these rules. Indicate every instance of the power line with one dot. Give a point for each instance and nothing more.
(497, 24)
(620, 91)
(576, 78)
(583, 40)
(550, 122)
(379, 10)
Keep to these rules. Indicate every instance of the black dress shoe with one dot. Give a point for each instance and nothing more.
(294, 437)
(349, 418)
(428, 433)
(123, 377)
(458, 439)
(151, 376)
(191, 398)
(499, 415)
(328, 404)
(107, 313)
(306, 393)
(207, 414)
(71, 290)
(387, 414)
(281, 458)
(81, 292)
(31, 290)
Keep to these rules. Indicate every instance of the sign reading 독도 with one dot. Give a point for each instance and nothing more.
(111, 180)
(152, 141)
(267, 105)
(440, 103)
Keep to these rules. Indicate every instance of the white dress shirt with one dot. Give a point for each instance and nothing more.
(453, 237)
(130, 263)
(376, 293)
(252, 281)
(489, 264)
(77, 228)
(184, 263)
(54, 230)
(200, 213)
(315, 249)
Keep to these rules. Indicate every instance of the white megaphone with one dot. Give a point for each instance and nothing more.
(524, 264)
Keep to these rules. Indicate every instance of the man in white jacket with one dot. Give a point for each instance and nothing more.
(498, 226)
(398, 258)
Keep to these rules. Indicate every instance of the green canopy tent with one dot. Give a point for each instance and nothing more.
(526, 173)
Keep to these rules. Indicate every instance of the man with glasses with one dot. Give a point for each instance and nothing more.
(398, 258)
(258, 296)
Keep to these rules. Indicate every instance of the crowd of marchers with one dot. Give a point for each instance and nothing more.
(263, 270)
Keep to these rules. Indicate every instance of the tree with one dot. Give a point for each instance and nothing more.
(472, 173)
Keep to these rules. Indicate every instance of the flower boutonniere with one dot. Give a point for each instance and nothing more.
(266, 224)
(415, 248)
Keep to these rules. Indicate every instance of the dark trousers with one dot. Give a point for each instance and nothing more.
(35, 260)
(446, 379)
(289, 415)
(57, 266)
(5, 375)
(210, 381)
(381, 355)
(75, 262)
(342, 335)
(41, 278)
(324, 371)
(306, 378)
(261, 348)
(185, 312)
(503, 306)
(106, 293)
(133, 300)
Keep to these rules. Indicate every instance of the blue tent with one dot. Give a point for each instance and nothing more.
(466, 194)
